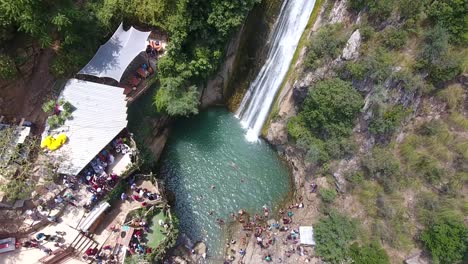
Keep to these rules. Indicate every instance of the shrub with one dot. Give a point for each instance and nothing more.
(432, 128)
(327, 44)
(379, 10)
(49, 106)
(331, 108)
(371, 253)
(382, 165)
(385, 122)
(339, 148)
(333, 235)
(355, 179)
(379, 64)
(453, 97)
(446, 241)
(115, 193)
(356, 70)
(394, 38)
(411, 9)
(435, 58)
(367, 32)
(452, 16)
(174, 100)
(7, 68)
(410, 81)
(327, 195)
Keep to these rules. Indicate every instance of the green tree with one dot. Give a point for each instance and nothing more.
(331, 108)
(436, 58)
(446, 241)
(394, 38)
(174, 100)
(452, 15)
(371, 253)
(225, 15)
(333, 235)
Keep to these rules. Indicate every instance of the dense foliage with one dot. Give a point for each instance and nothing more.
(331, 107)
(326, 45)
(198, 30)
(333, 235)
(446, 241)
(372, 253)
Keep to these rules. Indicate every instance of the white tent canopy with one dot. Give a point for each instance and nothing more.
(100, 115)
(306, 234)
(113, 58)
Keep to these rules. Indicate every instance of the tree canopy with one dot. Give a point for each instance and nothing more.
(331, 108)
(333, 235)
(446, 241)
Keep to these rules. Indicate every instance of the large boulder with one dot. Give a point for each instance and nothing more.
(351, 50)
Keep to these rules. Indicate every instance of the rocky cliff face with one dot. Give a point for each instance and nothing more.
(296, 89)
(245, 54)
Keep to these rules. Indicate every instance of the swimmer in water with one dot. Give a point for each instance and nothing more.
(213, 187)
(233, 165)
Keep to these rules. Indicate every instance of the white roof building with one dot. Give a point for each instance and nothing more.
(115, 55)
(100, 115)
(306, 235)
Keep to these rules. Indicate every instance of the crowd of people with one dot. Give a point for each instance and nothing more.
(267, 233)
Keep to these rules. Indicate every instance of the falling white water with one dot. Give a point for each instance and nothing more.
(287, 31)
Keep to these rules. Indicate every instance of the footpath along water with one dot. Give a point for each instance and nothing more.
(210, 149)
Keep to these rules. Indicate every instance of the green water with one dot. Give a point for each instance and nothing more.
(210, 149)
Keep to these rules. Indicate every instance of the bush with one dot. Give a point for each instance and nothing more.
(114, 194)
(386, 121)
(333, 235)
(327, 195)
(435, 58)
(376, 66)
(411, 9)
(452, 16)
(371, 253)
(453, 97)
(367, 32)
(394, 38)
(446, 241)
(410, 81)
(355, 179)
(379, 65)
(339, 148)
(327, 44)
(49, 106)
(382, 165)
(331, 108)
(7, 68)
(379, 10)
(355, 70)
(174, 100)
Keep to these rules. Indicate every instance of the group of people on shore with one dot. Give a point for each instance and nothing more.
(268, 232)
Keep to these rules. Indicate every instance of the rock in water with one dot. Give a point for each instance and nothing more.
(351, 51)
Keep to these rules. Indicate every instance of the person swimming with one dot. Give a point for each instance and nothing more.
(234, 165)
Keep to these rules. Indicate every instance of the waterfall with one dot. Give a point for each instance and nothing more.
(283, 41)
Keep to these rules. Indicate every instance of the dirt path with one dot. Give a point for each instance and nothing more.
(23, 97)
